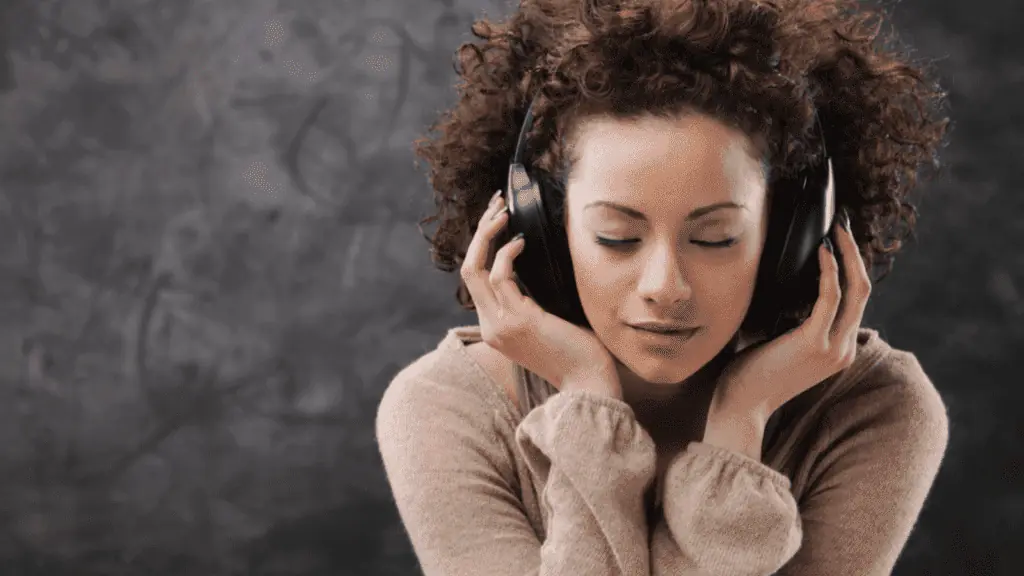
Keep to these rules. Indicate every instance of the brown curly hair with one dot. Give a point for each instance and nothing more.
(763, 66)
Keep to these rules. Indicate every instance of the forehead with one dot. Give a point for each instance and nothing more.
(664, 164)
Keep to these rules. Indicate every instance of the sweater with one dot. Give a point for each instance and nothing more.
(483, 489)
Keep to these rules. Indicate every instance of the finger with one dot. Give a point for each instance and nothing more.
(488, 226)
(474, 267)
(823, 315)
(858, 285)
(502, 278)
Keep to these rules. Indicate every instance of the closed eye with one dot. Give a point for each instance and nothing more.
(624, 243)
(615, 243)
(720, 244)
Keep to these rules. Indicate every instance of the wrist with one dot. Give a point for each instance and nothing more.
(738, 430)
(732, 399)
(600, 380)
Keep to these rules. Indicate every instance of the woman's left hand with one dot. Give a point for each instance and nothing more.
(764, 377)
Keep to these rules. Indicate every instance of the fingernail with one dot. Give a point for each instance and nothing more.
(495, 197)
(518, 236)
(828, 245)
(499, 213)
(844, 219)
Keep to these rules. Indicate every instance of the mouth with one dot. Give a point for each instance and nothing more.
(665, 332)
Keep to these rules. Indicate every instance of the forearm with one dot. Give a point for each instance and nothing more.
(725, 511)
(724, 514)
(593, 463)
(581, 538)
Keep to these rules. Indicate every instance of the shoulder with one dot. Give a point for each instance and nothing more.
(441, 401)
(887, 398)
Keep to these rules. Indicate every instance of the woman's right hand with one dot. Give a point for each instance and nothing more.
(566, 355)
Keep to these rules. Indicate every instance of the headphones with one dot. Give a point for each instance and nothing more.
(801, 213)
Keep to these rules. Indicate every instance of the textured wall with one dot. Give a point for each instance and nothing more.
(210, 269)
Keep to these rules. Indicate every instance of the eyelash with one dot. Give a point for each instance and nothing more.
(623, 244)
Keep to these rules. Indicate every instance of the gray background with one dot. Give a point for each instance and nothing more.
(210, 270)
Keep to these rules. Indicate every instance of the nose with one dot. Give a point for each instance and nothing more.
(663, 282)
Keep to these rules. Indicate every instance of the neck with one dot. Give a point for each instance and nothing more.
(674, 413)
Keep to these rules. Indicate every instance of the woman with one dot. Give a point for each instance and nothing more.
(635, 451)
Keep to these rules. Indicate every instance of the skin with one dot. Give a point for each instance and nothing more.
(680, 181)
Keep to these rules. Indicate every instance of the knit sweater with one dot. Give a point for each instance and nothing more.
(485, 490)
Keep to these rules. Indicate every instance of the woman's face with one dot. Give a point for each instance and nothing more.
(682, 203)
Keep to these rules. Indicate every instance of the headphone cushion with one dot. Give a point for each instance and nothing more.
(544, 268)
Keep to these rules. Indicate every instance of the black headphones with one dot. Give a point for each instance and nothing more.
(800, 216)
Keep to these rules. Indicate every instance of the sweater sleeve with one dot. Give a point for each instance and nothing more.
(724, 513)
(884, 447)
(728, 514)
(595, 462)
(454, 485)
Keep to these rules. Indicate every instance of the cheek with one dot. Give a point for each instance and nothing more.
(734, 276)
(744, 268)
(725, 287)
(596, 278)
(603, 283)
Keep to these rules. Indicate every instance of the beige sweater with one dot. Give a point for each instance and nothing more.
(484, 491)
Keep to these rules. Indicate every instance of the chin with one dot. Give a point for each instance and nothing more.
(660, 372)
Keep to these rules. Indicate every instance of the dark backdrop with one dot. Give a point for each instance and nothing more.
(210, 270)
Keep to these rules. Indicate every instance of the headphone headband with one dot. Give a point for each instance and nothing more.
(523, 130)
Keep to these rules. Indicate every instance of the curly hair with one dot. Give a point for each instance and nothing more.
(763, 66)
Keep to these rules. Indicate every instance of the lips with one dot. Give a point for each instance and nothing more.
(663, 328)
(664, 340)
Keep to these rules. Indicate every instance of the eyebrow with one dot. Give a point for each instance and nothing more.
(634, 213)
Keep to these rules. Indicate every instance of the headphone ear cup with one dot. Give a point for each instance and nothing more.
(801, 214)
(762, 316)
(557, 239)
(544, 269)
